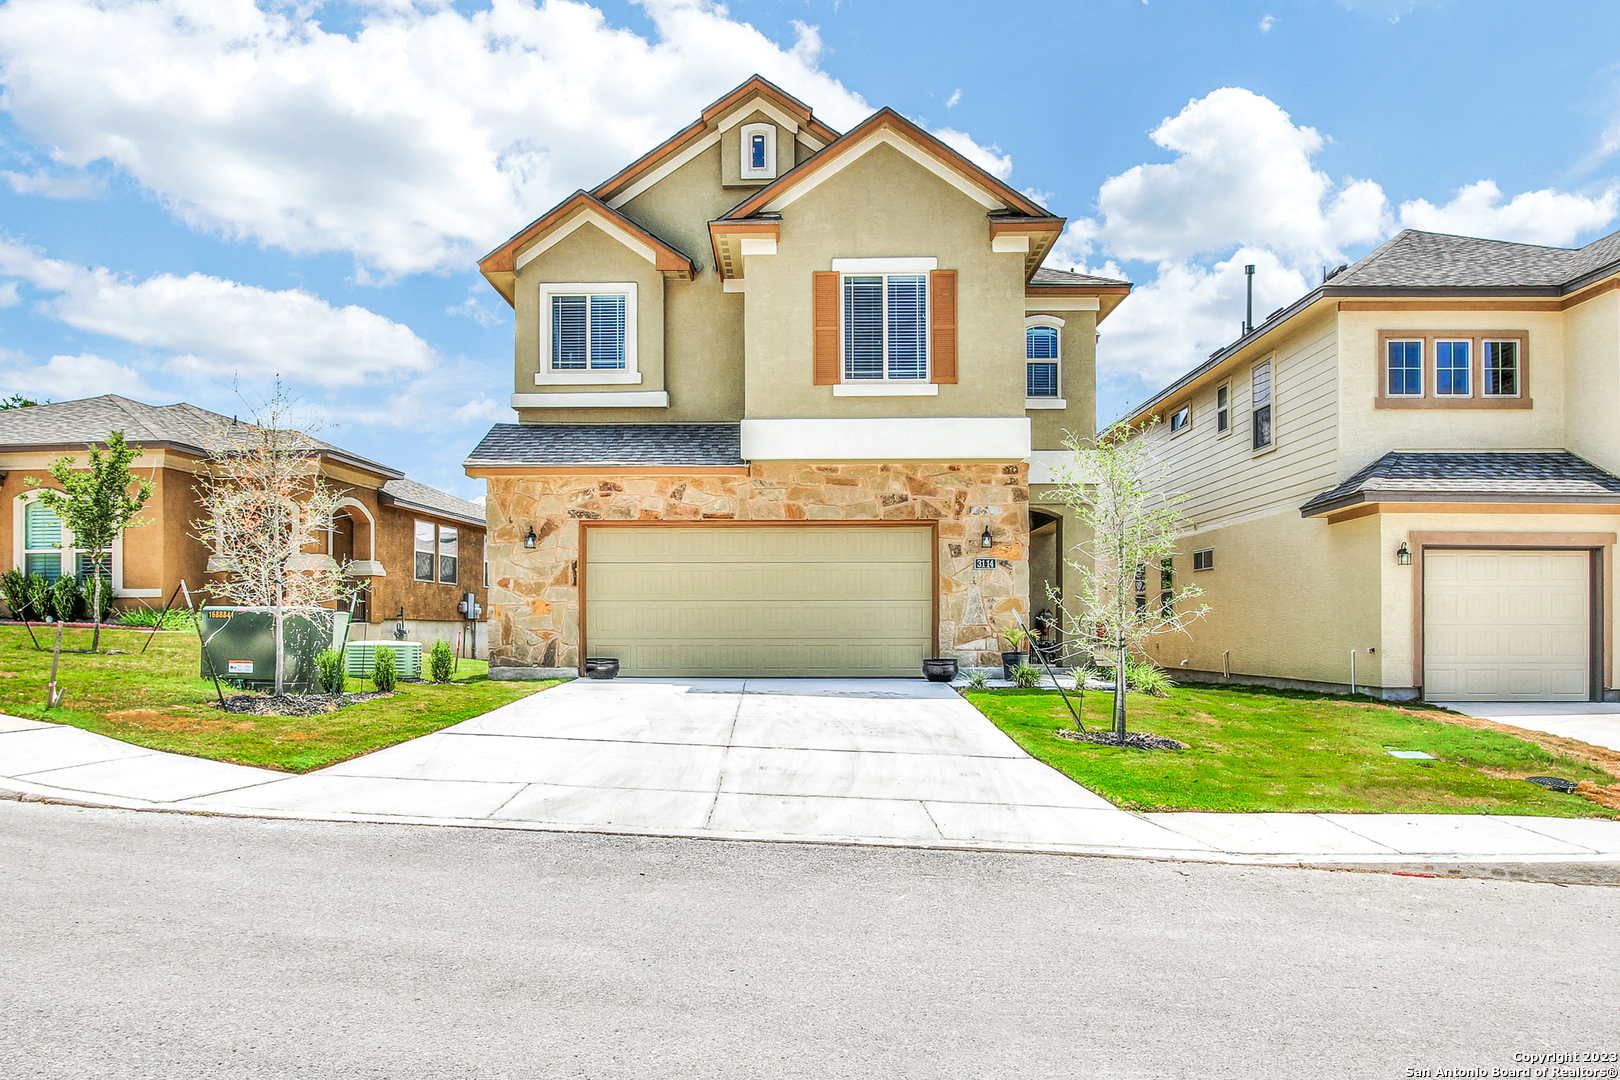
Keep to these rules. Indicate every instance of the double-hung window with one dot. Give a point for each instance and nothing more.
(1041, 366)
(437, 551)
(885, 327)
(42, 542)
(1452, 366)
(1223, 409)
(449, 548)
(424, 550)
(587, 332)
(1501, 368)
(1403, 368)
(1260, 404)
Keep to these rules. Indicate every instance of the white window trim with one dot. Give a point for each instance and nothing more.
(1176, 432)
(438, 553)
(748, 132)
(1219, 432)
(1422, 367)
(1271, 402)
(415, 551)
(1518, 365)
(68, 551)
(882, 387)
(631, 373)
(1438, 341)
(1044, 402)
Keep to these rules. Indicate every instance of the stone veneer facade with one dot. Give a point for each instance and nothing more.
(534, 595)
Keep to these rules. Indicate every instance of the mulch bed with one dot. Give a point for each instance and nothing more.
(294, 704)
(1134, 740)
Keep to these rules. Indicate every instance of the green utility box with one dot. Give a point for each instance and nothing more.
(240, 644)
(360, 658)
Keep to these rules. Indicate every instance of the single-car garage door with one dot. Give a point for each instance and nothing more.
(733, 600)
(1506, 625)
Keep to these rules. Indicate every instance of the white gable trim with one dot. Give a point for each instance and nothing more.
(588, 217)
(653, 177)
(758, 104)
(885, 136)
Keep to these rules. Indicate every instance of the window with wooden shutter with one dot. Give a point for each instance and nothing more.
(824, 320)
(942, 324)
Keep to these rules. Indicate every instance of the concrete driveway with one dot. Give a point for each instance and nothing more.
(1595, 722)
(878, 760)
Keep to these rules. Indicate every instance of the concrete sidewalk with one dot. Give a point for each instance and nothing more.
(849, 761)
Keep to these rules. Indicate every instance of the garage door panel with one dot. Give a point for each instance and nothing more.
(1506, 625)
(774, 601)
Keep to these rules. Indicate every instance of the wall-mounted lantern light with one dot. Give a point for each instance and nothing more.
(987, 540)
(530, 540)
(1403, 554)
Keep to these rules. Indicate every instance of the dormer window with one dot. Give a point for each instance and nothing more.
(759, 151)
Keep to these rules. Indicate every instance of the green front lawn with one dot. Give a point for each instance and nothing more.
(1254, 749)
(158, 700)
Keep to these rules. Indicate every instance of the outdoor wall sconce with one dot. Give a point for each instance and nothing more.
(987, 540)
(530, 540)
(1403, 554)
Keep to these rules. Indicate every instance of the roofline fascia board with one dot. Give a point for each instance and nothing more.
(1462, 497)
(653, 175)
(504, 258)
(480, 469)
(374, 467)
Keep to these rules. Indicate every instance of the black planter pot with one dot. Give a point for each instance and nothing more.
(1010, 660)
(939, 669)
(601, 667)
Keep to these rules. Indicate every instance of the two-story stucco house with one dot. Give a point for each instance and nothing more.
(783, 395)
(1412, 469)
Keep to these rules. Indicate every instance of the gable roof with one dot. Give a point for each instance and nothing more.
(498, 266)
(67, 426)
(409, 495)
(1050, 278)
(1494, 476)
(755, 86)
(1418, 265)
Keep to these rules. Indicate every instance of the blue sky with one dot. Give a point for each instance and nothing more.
(196, 195)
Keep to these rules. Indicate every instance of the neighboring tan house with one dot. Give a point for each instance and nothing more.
(1414, 464)
(418, 550)
(783, 394)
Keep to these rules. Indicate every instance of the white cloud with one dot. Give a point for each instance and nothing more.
(1173, 322)
(989, 158)
(1267, 23)
(63, 378)
(9, 294)
(416, 143)
(1533, 217)
(219, 328)
(474, 309)
(952, 101)
(1242, 175)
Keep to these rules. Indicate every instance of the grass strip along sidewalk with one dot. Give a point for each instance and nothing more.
(158, 700)
(1253, 749)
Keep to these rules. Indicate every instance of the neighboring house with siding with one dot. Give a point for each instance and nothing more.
(416, 550)
(1414, 463)
(785, 396)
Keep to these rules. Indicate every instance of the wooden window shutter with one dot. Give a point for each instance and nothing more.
(942, 325)
(824, 320)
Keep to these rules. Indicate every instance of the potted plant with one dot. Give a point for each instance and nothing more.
(601, 667)
(939, 668)
(1014, 656)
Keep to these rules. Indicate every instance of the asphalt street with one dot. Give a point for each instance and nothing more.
(147, 945)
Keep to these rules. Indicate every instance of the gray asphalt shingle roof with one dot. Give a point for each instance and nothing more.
(610, 444)
(1047, 276)
(1415, 259)
(1483, 476)
(413, 496)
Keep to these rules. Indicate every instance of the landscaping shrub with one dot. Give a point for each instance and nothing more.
(1026, 677)
(158, 619)
(1146, 678)
(978, 680)
(384, 673)
(65, 599)
(329, 670)
(39, 597)
(14, 584)
(441, 661)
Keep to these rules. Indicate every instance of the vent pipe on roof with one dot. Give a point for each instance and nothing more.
(1248, 317)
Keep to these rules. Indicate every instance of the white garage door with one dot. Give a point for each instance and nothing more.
(797, 600)
(1506, 625)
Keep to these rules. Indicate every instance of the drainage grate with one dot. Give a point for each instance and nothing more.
(1409, 755)
(1557, 783)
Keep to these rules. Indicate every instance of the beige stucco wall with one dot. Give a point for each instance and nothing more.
(885, 205)
(1077, 374)
(731, 154)
(1367, 433)
(534, 596)
(1592, 366)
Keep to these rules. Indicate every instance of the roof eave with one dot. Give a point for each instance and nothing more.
(1364, 497)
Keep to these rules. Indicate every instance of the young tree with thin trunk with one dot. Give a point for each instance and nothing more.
(96, 504)
(1117, 492)
(267, 514)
